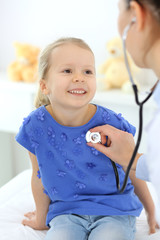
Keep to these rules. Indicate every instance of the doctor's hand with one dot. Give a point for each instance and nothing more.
(120, 145)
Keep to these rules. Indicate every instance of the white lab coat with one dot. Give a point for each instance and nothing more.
(148, 166)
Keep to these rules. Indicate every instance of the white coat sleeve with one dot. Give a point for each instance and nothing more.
(142, 171)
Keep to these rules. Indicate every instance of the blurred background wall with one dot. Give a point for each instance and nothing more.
(40, 22)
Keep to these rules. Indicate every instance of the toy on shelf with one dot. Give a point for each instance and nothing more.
(24, 68)
(113, 70)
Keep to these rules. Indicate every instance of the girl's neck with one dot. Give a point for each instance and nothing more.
(72, 117)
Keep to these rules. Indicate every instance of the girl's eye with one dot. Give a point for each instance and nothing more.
(67, 71)
(88, 72)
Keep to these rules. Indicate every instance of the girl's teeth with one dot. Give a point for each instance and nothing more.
(78, 92)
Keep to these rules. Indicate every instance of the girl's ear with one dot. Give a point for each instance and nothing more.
(43, 87)
(140, 13)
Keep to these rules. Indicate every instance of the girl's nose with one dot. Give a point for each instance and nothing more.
(78, 78)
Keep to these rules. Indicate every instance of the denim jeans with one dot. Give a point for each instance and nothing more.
(91, 227)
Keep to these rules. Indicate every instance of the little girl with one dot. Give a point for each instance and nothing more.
(73, 185)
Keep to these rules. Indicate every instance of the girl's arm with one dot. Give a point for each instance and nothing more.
(142, 191)
(37, 219)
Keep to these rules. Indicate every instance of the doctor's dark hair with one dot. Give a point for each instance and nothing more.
(45, 63)
(153, 4)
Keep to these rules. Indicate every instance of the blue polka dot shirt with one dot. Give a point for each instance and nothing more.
(77, 178)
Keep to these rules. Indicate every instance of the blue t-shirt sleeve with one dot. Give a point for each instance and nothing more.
(126, 126)
(25, 136)
(117, 121)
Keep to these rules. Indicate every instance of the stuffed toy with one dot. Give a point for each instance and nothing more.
(114, 72)
(24, 68)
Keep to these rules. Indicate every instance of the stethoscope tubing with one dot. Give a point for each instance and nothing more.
(140, 104)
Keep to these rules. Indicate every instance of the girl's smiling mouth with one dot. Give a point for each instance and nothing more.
(77, 91)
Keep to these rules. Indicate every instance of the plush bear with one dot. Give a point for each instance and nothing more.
(24, 68)
(114, 72)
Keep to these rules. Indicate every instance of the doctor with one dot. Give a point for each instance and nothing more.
(143, 43)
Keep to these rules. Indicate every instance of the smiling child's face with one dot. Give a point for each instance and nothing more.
(71, 80)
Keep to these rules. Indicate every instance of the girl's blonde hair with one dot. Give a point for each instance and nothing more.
(44, 64)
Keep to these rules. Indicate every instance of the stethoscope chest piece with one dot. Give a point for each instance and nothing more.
(93, 137)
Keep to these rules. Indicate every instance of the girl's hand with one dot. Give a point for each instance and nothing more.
(32, 222)
(153, 225)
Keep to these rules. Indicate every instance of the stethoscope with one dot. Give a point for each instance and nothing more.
(140, 104)
(95, 137)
